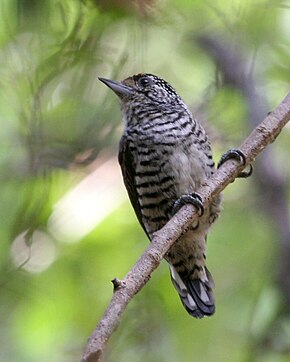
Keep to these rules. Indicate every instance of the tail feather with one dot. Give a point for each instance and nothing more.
(196, 295)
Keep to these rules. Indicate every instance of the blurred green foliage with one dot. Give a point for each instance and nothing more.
(58, 124)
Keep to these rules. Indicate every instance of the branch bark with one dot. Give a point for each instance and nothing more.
(271, 184)
(264, 134)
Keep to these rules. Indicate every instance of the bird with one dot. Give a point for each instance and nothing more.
(165, 156)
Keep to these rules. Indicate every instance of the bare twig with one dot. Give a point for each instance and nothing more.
(270, 183)
(262, 135)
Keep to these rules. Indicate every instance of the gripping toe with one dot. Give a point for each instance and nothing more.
(193, 198)
(238, 155)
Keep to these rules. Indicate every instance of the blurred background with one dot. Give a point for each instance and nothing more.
(66, 225)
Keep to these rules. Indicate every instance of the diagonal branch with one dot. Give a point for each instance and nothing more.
(264, 134)
(270, 183)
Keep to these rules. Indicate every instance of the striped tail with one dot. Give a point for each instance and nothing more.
(196, 294)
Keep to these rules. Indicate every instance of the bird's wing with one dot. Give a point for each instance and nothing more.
(128, 167)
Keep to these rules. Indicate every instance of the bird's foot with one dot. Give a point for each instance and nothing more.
(239, 156)
(193, 198)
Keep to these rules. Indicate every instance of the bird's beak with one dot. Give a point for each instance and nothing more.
(119, 88)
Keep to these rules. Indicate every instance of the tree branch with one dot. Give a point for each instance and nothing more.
(270, 182)
(264, 134)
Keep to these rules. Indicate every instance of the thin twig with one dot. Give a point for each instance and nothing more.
(270, 182)
(262, 135)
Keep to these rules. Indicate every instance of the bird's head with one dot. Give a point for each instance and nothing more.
(144, 89)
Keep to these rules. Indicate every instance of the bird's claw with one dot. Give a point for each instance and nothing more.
(239, 156)
(193, 198)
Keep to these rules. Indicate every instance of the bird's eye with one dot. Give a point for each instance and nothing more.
(144, 82)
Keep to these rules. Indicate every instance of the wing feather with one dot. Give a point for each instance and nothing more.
(128, 167)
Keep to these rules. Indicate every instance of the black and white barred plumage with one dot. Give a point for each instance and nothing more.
(164, 154)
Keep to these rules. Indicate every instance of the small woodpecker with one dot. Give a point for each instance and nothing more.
(165, 156)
